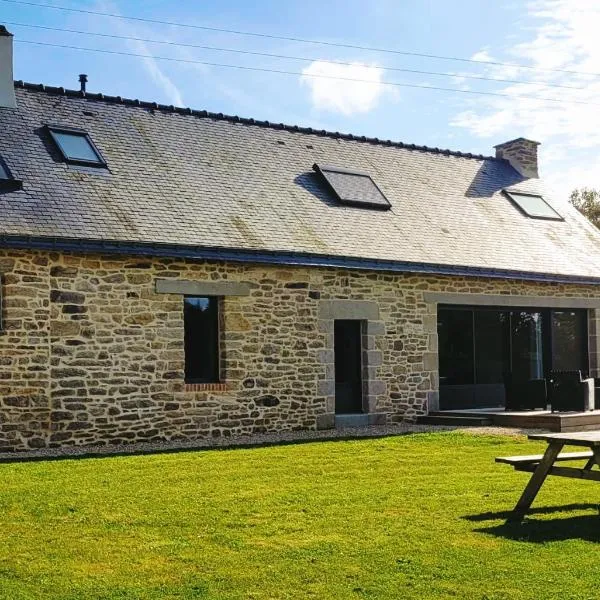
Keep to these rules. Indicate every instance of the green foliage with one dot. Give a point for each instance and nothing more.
(411, 517)
(587, 202)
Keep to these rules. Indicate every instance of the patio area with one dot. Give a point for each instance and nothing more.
(529, 419)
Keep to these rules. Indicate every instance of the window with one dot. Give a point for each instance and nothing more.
(201, 322)
(569, 339)
(7, 181)
(76, 147)
(478, 346)
(455, 333)
(353, 187)
(533, 206)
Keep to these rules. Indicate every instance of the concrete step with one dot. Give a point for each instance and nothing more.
(454, 421)
(352, 420)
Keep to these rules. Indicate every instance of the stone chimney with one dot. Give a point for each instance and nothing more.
(7, 85)
(522, 155)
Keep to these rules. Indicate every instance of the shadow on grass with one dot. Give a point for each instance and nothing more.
(582, 527)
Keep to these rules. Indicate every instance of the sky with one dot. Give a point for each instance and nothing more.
(555, 101)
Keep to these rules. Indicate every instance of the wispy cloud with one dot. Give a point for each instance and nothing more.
(564, 36)
(340, 95)
(157, 75)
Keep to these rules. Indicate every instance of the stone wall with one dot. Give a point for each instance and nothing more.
(92, 353)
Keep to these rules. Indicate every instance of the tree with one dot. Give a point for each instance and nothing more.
(587, 202)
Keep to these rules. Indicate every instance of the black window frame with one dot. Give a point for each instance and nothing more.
(547, 336)
(8, 183)
(516, 203)
(53, 129)
(215, 376)
(322, 170)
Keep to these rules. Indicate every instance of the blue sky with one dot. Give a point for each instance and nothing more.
(546, 34)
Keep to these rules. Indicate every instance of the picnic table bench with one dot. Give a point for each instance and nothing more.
(542, 465)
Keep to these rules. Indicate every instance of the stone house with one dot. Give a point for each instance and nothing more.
(172, 273)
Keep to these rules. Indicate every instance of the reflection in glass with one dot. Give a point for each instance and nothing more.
(76, 146)
(568, 336)
(455, 335)
(201, 339)
(527, 352)
(492, 345)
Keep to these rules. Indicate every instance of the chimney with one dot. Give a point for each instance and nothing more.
(83, 78)
(7, 85)
(522, 155)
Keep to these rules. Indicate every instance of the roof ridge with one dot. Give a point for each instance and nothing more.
(40, 87)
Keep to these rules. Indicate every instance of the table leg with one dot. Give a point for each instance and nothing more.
(536, 481)
(595, 460)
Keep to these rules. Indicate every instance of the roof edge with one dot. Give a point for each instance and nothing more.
(159, 250)
(61, 91)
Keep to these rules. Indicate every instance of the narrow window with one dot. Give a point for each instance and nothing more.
(201, 322)
(76, 147)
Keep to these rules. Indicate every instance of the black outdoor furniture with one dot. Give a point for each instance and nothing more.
(524, 394)
(569, 391)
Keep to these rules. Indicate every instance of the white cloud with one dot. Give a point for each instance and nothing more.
(563, 35)
(482, 55)
(340, 95)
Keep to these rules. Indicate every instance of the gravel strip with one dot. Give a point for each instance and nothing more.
(248, 441)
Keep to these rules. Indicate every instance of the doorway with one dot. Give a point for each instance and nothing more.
(348, 366)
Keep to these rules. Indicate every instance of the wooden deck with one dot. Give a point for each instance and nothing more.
(535, 419)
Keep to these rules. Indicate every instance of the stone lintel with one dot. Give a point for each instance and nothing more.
(187, 287)
(510, 300)
(349, 309)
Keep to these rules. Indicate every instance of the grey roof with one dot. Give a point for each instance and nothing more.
(191, 179)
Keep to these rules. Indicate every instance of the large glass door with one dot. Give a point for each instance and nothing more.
(479, 346)
(527, 355)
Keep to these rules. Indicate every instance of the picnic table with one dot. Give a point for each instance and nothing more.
(542, 465)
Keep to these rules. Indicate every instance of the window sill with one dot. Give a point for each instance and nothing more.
(205, 387)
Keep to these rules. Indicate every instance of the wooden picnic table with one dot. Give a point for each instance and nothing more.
(543, 465)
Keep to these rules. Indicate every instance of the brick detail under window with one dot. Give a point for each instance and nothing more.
(206, 387)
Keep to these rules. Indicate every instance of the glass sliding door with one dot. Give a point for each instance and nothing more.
(492, 345)
(479, 345)
(569, 339)
(527, 355)
(455, 339)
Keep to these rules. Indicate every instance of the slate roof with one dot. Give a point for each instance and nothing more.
(191, 183)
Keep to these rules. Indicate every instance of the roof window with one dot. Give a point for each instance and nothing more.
(7, 181)
(533, 206)
(76, 146)
(354, 188)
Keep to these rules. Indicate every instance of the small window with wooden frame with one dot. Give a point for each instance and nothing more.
(202, 324)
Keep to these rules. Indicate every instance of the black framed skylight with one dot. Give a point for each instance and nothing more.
(76, 146)
(533, 205)
(353, 187)
(7, 181)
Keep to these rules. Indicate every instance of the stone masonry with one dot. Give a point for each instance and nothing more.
(92, 347)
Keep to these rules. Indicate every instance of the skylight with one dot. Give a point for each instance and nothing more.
(7, 181)
(76, 146)
(353, 187)
(533, 206)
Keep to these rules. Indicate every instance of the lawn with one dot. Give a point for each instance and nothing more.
(417, 516)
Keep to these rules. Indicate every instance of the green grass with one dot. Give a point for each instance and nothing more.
(419, 516)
